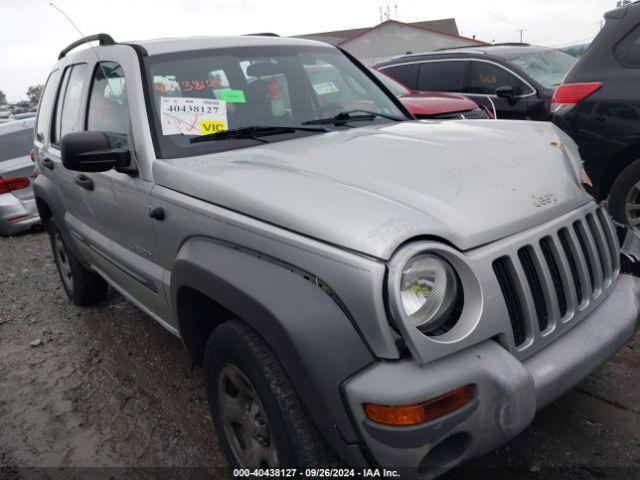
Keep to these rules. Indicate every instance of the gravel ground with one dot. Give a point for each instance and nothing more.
(105, 392)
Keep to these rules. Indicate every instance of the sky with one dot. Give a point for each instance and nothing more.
(32, 33)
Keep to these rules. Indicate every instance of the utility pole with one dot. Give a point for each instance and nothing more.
(396, 7)
(522, 30)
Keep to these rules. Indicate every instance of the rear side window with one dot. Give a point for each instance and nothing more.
(485, 78)
(628, 50)
(405, 74)
(68, 102)
(46, 103)
(443, 76)
(108, 104)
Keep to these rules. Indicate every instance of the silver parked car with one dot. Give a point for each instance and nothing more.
(362, 288)
(18, 210)
(5, 114)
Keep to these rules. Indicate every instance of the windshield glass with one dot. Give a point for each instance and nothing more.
(547, 67)
(203, 92)
(396, 88)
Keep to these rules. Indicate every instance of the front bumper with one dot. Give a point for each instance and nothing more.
(17, 214)
(508, 392)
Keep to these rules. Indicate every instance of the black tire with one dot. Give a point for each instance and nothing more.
(297, 440)
(83, 286)
(619, 192)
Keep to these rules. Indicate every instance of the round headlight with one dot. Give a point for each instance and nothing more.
(428, 290)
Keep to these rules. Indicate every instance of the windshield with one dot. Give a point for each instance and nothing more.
(396, 88)
(548, 67)
(203, 92)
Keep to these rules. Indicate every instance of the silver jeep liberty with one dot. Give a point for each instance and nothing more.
(363, 289)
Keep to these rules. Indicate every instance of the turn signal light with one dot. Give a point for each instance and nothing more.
(406, 415)
(10, 184)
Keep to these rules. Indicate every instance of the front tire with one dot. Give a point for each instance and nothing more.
(83, 286)
(624, 197)
(258, 416)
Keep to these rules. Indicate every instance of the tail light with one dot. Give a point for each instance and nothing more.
(569, 95)
(11, 184)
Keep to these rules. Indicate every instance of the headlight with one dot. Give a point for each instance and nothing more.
(428, 291)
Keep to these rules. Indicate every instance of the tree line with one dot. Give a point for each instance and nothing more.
(33, 94)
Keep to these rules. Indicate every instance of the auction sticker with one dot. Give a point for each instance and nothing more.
(192, 116)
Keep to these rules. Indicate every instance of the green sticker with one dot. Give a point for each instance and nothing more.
(232, 96)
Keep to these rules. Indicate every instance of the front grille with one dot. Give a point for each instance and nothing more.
(548, 283)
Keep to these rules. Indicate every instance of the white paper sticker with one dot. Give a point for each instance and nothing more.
(192, 116)
(325, 88)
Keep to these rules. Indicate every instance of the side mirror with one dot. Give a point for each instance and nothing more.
(508, 93)
(92, 152)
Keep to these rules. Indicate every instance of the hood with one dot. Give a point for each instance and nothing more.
(371, 189)
(436, 103)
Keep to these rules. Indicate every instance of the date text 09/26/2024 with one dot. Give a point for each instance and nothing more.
(316, 473)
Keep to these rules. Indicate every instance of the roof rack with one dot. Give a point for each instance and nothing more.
(103, 38)
(265, 34)
(506, 44)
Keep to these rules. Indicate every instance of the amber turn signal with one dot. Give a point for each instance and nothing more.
(406, 415)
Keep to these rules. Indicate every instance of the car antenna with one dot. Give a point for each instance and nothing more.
(104, 73)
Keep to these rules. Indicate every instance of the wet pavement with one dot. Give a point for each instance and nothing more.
(105, 392)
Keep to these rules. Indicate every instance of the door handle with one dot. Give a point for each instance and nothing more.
(47, 163)
(85, 182)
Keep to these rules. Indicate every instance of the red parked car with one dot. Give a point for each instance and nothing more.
(434, 105)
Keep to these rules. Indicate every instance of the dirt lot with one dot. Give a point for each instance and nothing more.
(105, 386)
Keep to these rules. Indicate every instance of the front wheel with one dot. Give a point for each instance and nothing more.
(258, 416)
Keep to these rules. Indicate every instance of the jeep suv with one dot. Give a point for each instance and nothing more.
(362, 288)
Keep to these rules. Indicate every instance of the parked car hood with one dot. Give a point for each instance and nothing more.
(436, 103)
(371, 189)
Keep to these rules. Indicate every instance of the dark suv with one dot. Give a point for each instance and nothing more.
(598, 105)
(517, 79)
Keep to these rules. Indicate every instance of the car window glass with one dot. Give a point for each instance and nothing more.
(628, 50)
(485, 78)
(226, 89)
(331, 86)
(547, 67)
(405, 74)
(108, 104)
(442, 76)
(46, 101)
(55, 130)
(68, 107)
(396, 88)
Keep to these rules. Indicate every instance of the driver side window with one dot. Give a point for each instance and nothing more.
(108, 104)
(485, 78)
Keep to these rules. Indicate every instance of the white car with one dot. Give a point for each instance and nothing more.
(18, 210)
(5, 114)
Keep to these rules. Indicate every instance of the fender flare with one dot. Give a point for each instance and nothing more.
(309, 333)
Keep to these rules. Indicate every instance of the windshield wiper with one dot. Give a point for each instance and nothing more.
(253, 132)
(348, 116)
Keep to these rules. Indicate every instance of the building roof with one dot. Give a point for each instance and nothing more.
(447, 26)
